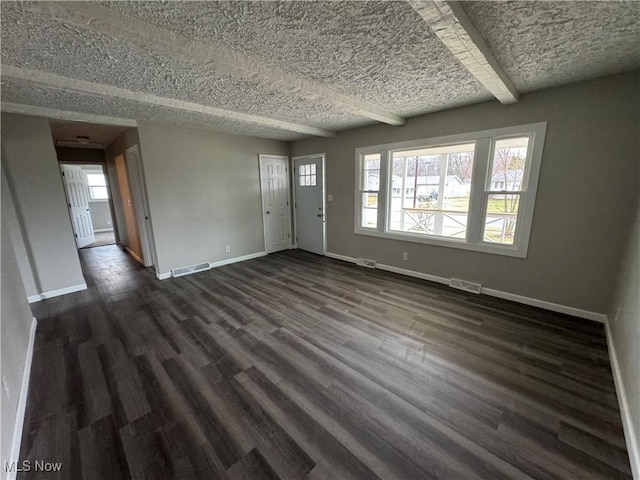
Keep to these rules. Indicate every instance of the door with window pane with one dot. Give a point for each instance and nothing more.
(309, 203)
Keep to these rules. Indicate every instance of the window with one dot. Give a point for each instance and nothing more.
(307, 175)
(472, 191)
(369, 190)
(97, 186)
(437, 203)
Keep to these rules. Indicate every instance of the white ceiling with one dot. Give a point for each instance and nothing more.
(287, 70)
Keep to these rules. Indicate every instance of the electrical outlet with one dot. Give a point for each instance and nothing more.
(108, 222)
(405, 256)
(227, 248)
(5, 385)
(330, 198)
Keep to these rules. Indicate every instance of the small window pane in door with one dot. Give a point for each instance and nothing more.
(307, 176)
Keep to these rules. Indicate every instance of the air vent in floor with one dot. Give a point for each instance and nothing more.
(179, 272)
(464, 285)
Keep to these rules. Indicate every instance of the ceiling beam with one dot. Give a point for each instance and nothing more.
(208, 56)
(9, 107)
(83, 86)
(453, 27)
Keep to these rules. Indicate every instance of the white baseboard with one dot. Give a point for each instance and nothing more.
(534, 302)
(630, 433)
(337, 256)
(57, 293)
(554, 307)
(22, 402)
(102, 230)
(220, 263)
(229, 261)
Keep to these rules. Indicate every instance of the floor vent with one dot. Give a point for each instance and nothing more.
(179, 272)
(464, 285)
(365, 262)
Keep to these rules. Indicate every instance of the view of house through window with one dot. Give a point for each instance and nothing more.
(97, 186)
(436, 183)
(474, 190)
(507, 175)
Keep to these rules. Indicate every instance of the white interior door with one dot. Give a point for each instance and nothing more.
(274, 176)
(75, 183)
(309, 203)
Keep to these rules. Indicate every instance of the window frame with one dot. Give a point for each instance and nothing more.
(88, 172)
(481, 188)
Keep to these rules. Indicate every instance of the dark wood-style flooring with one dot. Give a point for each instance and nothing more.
(299, 366)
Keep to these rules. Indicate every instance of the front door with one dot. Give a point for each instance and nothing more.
(274, 176)
(309, 208)
(75, 182)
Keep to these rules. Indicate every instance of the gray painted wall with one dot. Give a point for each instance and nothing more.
(32, 172)
(625, 324)
(588, 179)
(100, 215)
(14, 335)
(12, 223)
(204, 193)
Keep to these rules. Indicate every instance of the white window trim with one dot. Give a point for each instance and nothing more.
(482, 177)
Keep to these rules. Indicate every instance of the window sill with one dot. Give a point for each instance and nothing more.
(505, 250)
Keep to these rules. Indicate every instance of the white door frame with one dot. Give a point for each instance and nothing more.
(262, 157)
(324, 199)
(141, 203)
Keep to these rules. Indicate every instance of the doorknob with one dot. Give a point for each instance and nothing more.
(268, 212)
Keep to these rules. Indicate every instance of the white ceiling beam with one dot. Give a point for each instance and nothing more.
(209, 56)
(9, 107)
(83, 86)
(453, 27)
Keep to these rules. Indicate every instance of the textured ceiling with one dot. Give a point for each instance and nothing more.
(544, 44)
(380, 53)
(25, 93)
(37, 42)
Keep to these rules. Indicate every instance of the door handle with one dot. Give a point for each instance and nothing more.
(319, 215)
(268, 212)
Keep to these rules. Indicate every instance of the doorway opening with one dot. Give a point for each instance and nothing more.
(105, 187)
(88, 200)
